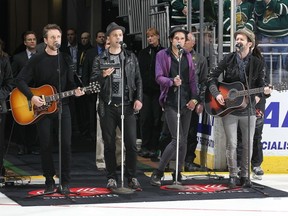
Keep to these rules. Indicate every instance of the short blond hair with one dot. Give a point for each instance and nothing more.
(152, 31)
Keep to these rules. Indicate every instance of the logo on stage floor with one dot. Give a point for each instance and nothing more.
(197, 188)
(79, 192)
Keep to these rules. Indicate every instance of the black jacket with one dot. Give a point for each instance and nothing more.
(147, 59)
(6, 78)
(132, 72)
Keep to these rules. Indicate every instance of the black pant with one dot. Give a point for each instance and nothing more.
(257, 155)
(47, 127)
(192, 138)
(172, 122)
(110, 119)
(150, 118)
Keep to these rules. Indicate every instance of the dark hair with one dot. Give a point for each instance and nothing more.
(49, 27)
(256, 51)
(2, 45)
(27, 33)
(100, 31)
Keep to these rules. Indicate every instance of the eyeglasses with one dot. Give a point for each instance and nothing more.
(31, 39)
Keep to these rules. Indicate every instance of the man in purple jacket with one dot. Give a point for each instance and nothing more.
(175, 74)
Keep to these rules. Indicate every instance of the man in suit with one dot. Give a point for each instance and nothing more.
(77, 107)
(86, 73)
(25, 137)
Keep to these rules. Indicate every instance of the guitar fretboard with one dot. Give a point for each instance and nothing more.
(251, 91)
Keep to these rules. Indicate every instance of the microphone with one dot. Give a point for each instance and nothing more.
(57, 45)
(122, 44)
(239, 46)
(181, 50)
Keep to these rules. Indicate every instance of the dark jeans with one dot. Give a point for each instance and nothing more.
(150, 117)
(45, 127)
(110, 119)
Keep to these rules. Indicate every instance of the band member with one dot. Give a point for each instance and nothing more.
(110, 103)
(171, 81)
(248, 69)
(44, 68)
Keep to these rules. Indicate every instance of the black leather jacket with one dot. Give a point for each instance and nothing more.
(132, 72)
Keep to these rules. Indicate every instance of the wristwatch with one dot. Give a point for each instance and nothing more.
(195, 101)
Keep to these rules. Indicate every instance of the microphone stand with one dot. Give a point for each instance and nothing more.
(176, 185)
(122, 189)
(250, 185)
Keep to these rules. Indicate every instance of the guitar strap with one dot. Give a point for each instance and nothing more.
(3, 107)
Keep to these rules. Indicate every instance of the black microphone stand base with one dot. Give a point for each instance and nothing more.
(58, 190)
(257, 188)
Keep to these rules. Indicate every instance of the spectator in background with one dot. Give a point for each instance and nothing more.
(201, 69)
(244, 15)
(272, 28)
(100, 40)
(179, 11)
(151, 112)
(6, 85)
(26, 138)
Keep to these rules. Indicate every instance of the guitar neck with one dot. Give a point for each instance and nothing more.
(251, 91)
(65, 94)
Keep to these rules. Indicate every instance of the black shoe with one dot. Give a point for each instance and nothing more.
(232, 182)
(50, 188)
(50, 185)
(144, 153)
(179, 178)
(112, 184)
(245, 182)
(21, 150)
(191, 167)
(2, 179)
(65, 189)
(155, 178)
(133, 183)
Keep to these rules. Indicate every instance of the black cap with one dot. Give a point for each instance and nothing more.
(113, 26)
(177, 29)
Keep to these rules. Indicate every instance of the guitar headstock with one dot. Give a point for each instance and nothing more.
(94, 87)
(282, 86)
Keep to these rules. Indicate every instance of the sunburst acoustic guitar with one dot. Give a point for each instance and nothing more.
(24, 112)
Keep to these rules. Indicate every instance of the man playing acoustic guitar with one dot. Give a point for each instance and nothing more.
(42, 69)
(245, 68)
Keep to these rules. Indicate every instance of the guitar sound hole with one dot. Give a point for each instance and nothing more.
(232, 94)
